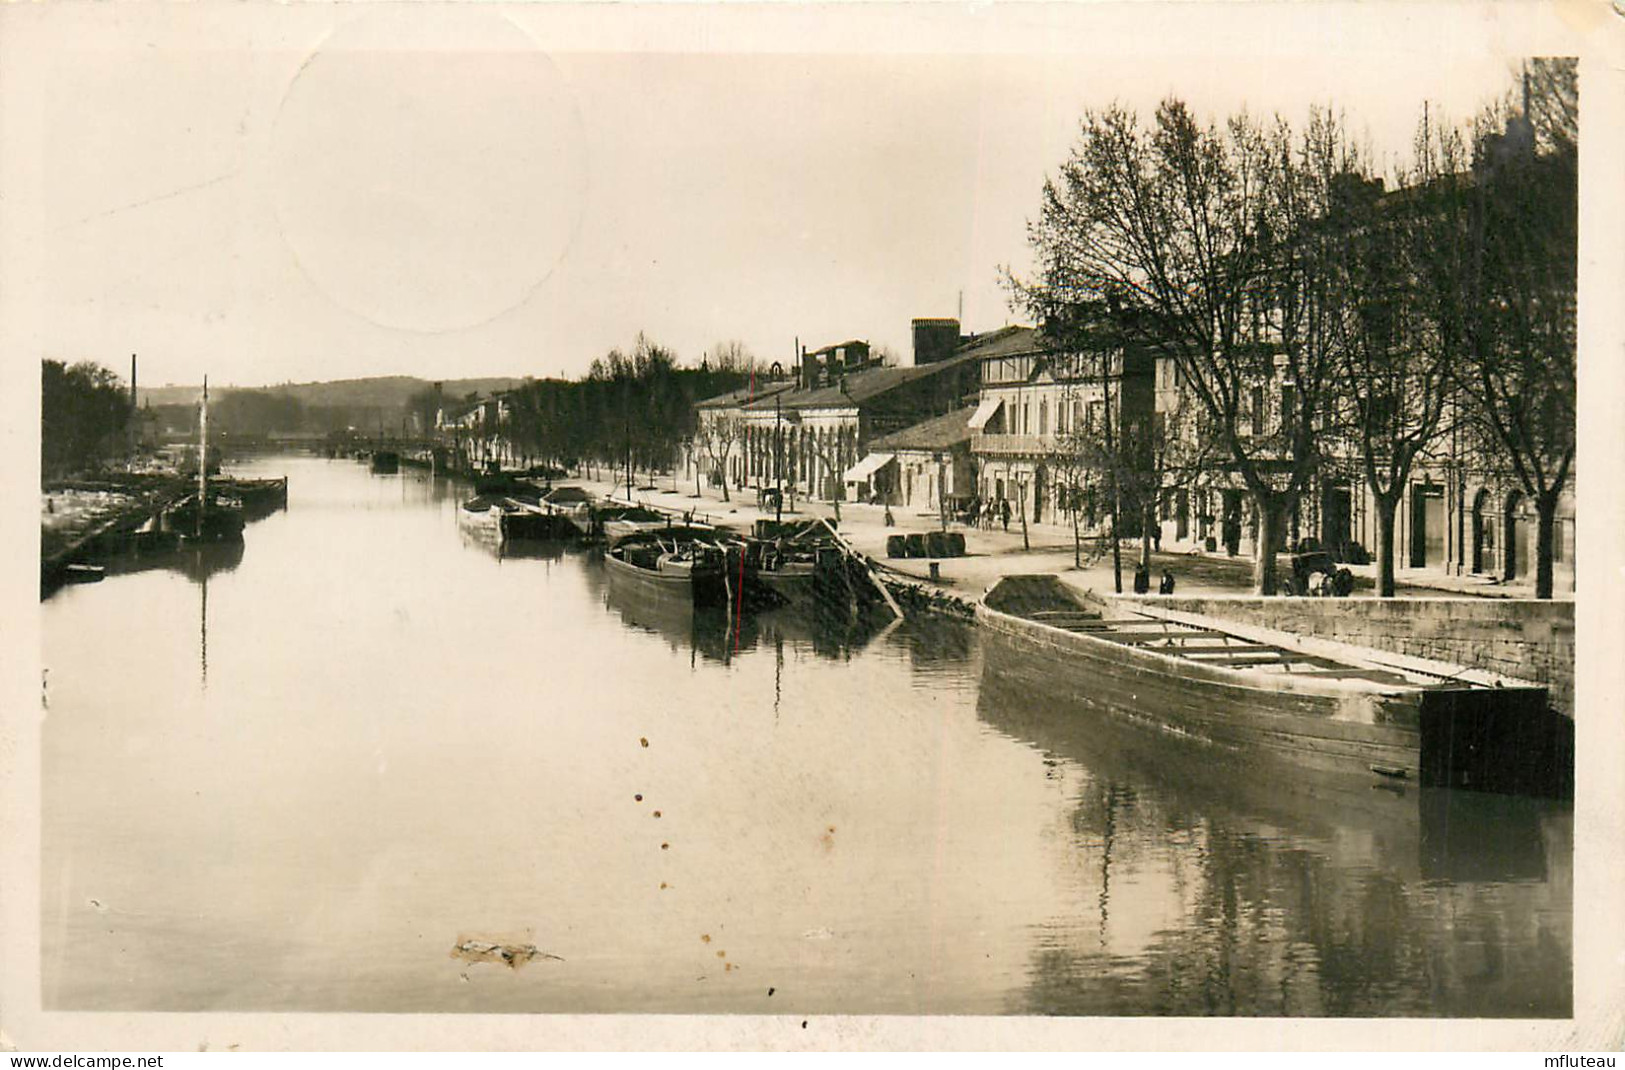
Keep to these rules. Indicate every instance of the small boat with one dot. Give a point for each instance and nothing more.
(805, 564)
(698, 571)
(796, 562)
(618, 522)
(525, 520)
(482, 516)
(1310, 703)
(207, 515)
(385, 462)
(500, 518)
(81, 573)
(572, 503)
(218, 519)
(507, 485)
(259, 497)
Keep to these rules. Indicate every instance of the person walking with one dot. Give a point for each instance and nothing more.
(1004, 512)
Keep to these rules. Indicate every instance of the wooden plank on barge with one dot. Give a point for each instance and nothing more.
(1139, 636)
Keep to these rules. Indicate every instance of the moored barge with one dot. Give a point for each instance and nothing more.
(691, 570)
(1333, 710)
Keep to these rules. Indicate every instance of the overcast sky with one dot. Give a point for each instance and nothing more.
(295, 194)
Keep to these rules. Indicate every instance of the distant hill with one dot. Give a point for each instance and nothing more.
(388, 392)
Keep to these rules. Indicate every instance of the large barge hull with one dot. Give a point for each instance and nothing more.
(1310, 732)
(1357, 720)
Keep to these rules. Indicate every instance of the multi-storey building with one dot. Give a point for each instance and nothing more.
(814, 438)
(1039, 433)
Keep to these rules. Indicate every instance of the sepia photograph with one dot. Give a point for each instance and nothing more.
(791, 516)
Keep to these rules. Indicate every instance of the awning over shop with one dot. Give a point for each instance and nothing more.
(867, 467)
(984, 412)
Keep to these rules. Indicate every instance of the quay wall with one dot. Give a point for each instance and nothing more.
(1524, 638)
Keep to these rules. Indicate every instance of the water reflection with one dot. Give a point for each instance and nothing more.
(836, 632)
(408, 739)
(503, 549)
(198, 562)
(710, 632)
(1219, 890)
(717, 634)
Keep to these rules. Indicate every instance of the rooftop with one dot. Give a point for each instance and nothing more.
(851, 343)
(938, 433)
(860, 386)
(746, 394)
(1004, 342)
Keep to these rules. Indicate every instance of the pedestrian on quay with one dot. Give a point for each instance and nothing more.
(1004, 512)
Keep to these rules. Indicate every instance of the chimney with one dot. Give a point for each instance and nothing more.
(934, 340)
(132, 381)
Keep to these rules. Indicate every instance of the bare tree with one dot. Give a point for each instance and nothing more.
(732, 356)
(830, 456)
(716, 438)
(1088, 443)
(1402, 263)
(1198, 239)
(1517, 307)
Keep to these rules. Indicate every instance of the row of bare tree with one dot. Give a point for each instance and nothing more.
(634, 408)
(1438, 299)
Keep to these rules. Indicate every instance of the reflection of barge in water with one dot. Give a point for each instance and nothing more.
(710, 631)
(1431, 833)
(1349, 714)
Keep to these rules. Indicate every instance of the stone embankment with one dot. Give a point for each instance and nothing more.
(1527, 639)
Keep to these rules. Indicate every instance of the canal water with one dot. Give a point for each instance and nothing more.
(303, 774)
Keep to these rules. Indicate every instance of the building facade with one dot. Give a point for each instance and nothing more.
(926, 468)
(1039, 435)
(808, 433)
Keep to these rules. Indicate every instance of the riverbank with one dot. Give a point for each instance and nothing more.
(89, 520)
(1465, 621)
(74, 513)
(991, 555)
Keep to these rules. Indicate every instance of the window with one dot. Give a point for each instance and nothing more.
(1258, 410)
(1289, 405)
(1077, 416)
(1043, 417)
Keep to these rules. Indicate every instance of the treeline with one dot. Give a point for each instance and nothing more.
(258, 413)
(84, 415)
(637, 404)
